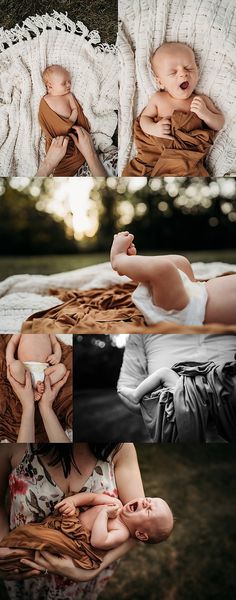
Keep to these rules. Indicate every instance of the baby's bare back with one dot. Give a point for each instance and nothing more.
(34, 347)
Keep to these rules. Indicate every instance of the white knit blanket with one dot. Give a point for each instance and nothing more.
(24, 53)
(209, 27)
(23, 295)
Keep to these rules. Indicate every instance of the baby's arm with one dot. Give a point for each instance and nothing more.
(207, 111)
(74, 113)
(147, 123)
(68, 505)
(55, 357)
(100, 536)
(11, 348)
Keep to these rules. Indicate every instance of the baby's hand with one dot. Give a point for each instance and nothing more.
(163, 128)
(199, 107)
(112, 511)
(66, 507)
(52, 359)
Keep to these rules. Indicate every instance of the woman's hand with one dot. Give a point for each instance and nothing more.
(54, 156)
(24, 392)
(51, 391)
(85, 145)
(15, 573)
(63, 566)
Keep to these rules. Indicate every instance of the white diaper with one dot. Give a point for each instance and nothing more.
(36, 370)
(192, 314)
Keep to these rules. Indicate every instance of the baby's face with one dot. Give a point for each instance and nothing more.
(149, 515)
(59, 82)
(176, 70)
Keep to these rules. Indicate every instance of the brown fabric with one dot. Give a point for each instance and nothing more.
(52, 125)
(180, 157)
(57, 534)
(10, 406)
(105, 311)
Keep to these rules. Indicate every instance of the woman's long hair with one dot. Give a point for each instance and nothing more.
(64, 453)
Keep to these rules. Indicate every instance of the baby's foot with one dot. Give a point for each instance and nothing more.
(40, 387)
(129, 393)
(122, 244)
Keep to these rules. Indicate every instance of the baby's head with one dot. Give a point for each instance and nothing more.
(148, 519)
(57, 80)
(175, 68)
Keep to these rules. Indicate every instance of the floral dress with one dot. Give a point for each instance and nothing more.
(33, 496)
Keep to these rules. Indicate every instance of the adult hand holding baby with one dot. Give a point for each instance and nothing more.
(52, 426)
(83, 141)
(54, 156)
(25, 394)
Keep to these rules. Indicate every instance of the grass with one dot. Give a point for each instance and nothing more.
(95, 14)
(198, 561)
(48, 264)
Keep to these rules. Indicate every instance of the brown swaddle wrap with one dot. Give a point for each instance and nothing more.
(10, 406)
(182, 156)
(53, 125)
(57, 534)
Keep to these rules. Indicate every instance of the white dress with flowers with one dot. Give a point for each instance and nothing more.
(33, 497)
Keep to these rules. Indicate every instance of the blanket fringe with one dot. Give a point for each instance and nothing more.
(34, 26)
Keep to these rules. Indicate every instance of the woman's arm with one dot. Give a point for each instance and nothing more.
(84, 143)
(52, 425)
(127, 474)
(25, 395)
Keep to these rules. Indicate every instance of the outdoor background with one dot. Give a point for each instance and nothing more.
(99, 414)
(198, 560)
(55, 225)
(95, 14)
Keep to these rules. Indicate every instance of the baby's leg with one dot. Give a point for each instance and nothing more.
(128, 400)
(167, 288)
(18, 371)
(182, 263)
(221, 303)
(55, 372)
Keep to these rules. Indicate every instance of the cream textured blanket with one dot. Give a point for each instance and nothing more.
(209, 27)
(23, 295)
(24, 53)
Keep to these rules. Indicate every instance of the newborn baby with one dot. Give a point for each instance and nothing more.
(40, 354)
(59, 110)
(84, 535)
(162, 378)
(176, 129)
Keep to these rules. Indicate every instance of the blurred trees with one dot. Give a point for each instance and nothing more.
(97, 361)
(23, 228)
(168, 213)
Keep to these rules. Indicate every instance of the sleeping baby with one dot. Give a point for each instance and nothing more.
(59, 110)
(40, 354)
(175, 131)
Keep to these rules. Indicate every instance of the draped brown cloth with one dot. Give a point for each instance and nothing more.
(182, 156)
(52, 125)
(10, 406)
(205, 393)
(57, 534)
(105, 311)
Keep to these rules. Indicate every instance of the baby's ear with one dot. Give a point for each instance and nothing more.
(141, 535)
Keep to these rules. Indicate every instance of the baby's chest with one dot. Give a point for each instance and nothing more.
(62, 106)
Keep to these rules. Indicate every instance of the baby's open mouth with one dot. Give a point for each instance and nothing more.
(133, 507)
(184, 85)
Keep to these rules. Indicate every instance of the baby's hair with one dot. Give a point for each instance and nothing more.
(49, 71)
(162, 535)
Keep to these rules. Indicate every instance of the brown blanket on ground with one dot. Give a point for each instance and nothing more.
(105, 311)
(10, 406)
(52, 125)
(57, 534)
(182, 156)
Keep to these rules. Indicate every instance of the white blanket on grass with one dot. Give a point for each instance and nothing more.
(23, 295)
(209, 27)
(24, 53)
